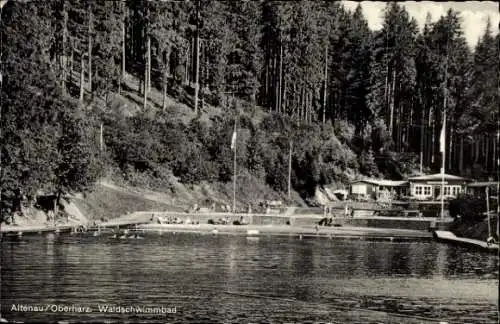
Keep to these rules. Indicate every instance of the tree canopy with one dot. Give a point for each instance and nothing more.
(345, 98)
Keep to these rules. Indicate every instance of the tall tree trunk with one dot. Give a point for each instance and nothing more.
(266, 88)
(301, 103)
(305, 106)
(270, 91)
(476, 149)
(64, 57)
(461, 157)
(71, 63)
(493, 157)
(280, 83)
(391, 118)
(310, 105)
(82, 73)
(285, 105)
(450, 146)
(407, 130)
(186, 74)
(197, 57)
(277, 82)
(165, 79)
(164, 103)
(487, 153)
(123, 22)
(192, 55)
(205, 80)
(308, 110)
(386, 88)
(325, 83)
(146, 70)
(294, 100)
(306, 103)
(149, 65)
(90, 50)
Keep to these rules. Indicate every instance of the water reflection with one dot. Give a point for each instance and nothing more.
(321, 274)
(399, 259)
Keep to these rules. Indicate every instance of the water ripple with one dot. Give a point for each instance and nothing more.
(231, 279)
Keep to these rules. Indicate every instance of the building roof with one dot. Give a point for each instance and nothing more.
(438, 177)
(482, 184)
(370, 181)
(382, 182)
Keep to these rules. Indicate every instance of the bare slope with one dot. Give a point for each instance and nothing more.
(109, 201)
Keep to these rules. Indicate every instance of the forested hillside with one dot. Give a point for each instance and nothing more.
(306, 79)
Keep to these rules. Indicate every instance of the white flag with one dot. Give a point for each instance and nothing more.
(233, 141)
(442, 138)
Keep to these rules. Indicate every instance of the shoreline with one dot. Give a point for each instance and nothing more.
(300, 225)
(244, 230)
(287, 230)
(258, 224)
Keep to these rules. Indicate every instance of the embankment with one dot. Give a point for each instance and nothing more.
(294, 220)
(108, 200)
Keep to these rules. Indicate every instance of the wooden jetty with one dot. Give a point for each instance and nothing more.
(12, 230)
(449, 237)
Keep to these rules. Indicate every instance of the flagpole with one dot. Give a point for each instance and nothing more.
(443, 131)
(290, 171)
(101, 146)
(234, 170)
(488, 210)
(443, 145)
(498, 177)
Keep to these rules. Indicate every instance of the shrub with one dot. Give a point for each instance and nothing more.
(470, 209)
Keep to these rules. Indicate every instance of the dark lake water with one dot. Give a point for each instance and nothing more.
(234, 279)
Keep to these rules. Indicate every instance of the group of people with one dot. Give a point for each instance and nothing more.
(171, 220)
(227, 221)
(217, 208)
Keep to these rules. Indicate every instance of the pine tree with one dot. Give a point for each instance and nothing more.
(480, 118)
(393, 72)
(33, 123)
(107, 46)
(358, 77)
(368, 165)
(245, 56)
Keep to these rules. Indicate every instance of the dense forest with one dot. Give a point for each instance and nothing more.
(303, 80)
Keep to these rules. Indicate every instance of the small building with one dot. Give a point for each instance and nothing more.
(478, 189)
(429, 187)
(363, 189)
(375, 189)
